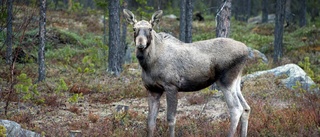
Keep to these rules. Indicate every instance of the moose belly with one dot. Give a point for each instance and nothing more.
(194, 84)
(157, 83)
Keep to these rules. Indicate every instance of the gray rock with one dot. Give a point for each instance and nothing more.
(170, 16)
(294, 73)
(256, 54)
(258, 19)
(14, 129)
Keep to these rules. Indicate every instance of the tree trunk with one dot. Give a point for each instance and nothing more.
(264, 11)
(104, 52)
(236, 9)
(65, 3)
(182, 20)
(314, 10)
(114, 60)
(248, 10)
(69, 5)
(9, 32)
(303, 12)
(189, 9)
(223, 19)
(104, 29)
(288, 14)
(56, 4)
(123, 34)
(42, 34)
(278, 33)
(186, 8)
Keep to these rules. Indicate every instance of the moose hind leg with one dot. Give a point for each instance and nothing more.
(245, 115)
(234, 105)
(154, 103)
(172, 102)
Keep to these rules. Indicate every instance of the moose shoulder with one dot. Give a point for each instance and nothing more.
(169, 65)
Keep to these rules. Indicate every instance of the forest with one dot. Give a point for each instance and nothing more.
(69, 67)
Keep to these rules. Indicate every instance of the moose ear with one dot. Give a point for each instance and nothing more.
(155, 19)
(129, 16)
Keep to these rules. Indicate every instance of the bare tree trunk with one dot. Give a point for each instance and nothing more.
(114, 60)
(42, 34)
(189, 9)
(303, 12)
(182, 20)
(9, 32)
(278, 33)
(186, 8)
(248, 10)
(123, 34)
(56, 4)
(65, 3)
(264, 11)
(104, 52)
(314, 10)
(69, 5)
(288, 14)
(223, 19)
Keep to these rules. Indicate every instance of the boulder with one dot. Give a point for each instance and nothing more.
(258, 19)
(14, 130)
(170, 16)
(256, 54)
(294, 74)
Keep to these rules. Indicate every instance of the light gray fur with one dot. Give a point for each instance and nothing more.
(171, 66)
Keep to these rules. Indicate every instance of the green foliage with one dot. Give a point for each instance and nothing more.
(75, 98)
(203, 36)
(121, 117)
(143, 8)
(63, 54)
(306, 66)
(103, 4)
(3, 131)
(98, 55)
(245, 34)
(62, 86)
(88, 66)
(293, 40)
(259, 66)
(77, 7)
(26, 88)
(298, 87)
(70, 37)
(3, 16)
(208, 92)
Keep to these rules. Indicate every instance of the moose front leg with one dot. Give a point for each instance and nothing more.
(172, 102)
(154, 103)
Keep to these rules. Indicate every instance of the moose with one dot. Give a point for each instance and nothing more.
(171, 66)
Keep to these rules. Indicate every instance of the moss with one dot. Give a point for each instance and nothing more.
(3, 131)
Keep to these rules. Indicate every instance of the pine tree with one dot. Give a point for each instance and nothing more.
(223, 19)
(115, 57)
(42, 34)
(278, 33)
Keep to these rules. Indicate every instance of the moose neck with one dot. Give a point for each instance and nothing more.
(148, 56)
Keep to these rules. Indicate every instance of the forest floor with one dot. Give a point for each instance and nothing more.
(117, 106)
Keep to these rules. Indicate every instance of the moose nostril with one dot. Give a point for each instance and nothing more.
(140, 40)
